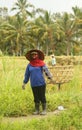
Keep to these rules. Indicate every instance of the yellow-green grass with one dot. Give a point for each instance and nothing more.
(17, 102)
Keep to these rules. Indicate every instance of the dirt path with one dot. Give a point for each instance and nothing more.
(30, 117)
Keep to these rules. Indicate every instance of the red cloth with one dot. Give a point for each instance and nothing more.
(37, 62)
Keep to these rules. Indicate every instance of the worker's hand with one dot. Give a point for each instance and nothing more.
(52, 81)
(23, 86)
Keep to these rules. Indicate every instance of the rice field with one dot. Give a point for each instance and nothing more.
(15, 102)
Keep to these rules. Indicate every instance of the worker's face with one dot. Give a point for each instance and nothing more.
(34, 55)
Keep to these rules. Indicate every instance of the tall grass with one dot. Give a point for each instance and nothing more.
(17, 102)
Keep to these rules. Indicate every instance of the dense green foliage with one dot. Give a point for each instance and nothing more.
(59, 33)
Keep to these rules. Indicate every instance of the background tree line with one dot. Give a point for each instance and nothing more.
(29, 28)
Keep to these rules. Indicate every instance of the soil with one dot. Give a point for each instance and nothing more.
(30, 117)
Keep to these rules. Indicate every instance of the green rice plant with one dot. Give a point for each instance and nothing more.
(11, 98)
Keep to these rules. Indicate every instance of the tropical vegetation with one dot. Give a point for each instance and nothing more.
(59, 33)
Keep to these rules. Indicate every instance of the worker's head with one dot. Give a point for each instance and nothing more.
(32, 54)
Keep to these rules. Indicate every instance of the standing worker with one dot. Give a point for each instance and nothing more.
(34, 72)
(53, 61)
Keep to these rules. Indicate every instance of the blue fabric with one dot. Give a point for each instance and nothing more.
(35, 74)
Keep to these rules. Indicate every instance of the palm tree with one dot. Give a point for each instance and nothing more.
(22, 6)
(77, 16)
(44, 21)
(69, 28)
(15, 31)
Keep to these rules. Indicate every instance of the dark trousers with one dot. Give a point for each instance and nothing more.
(39, 94)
